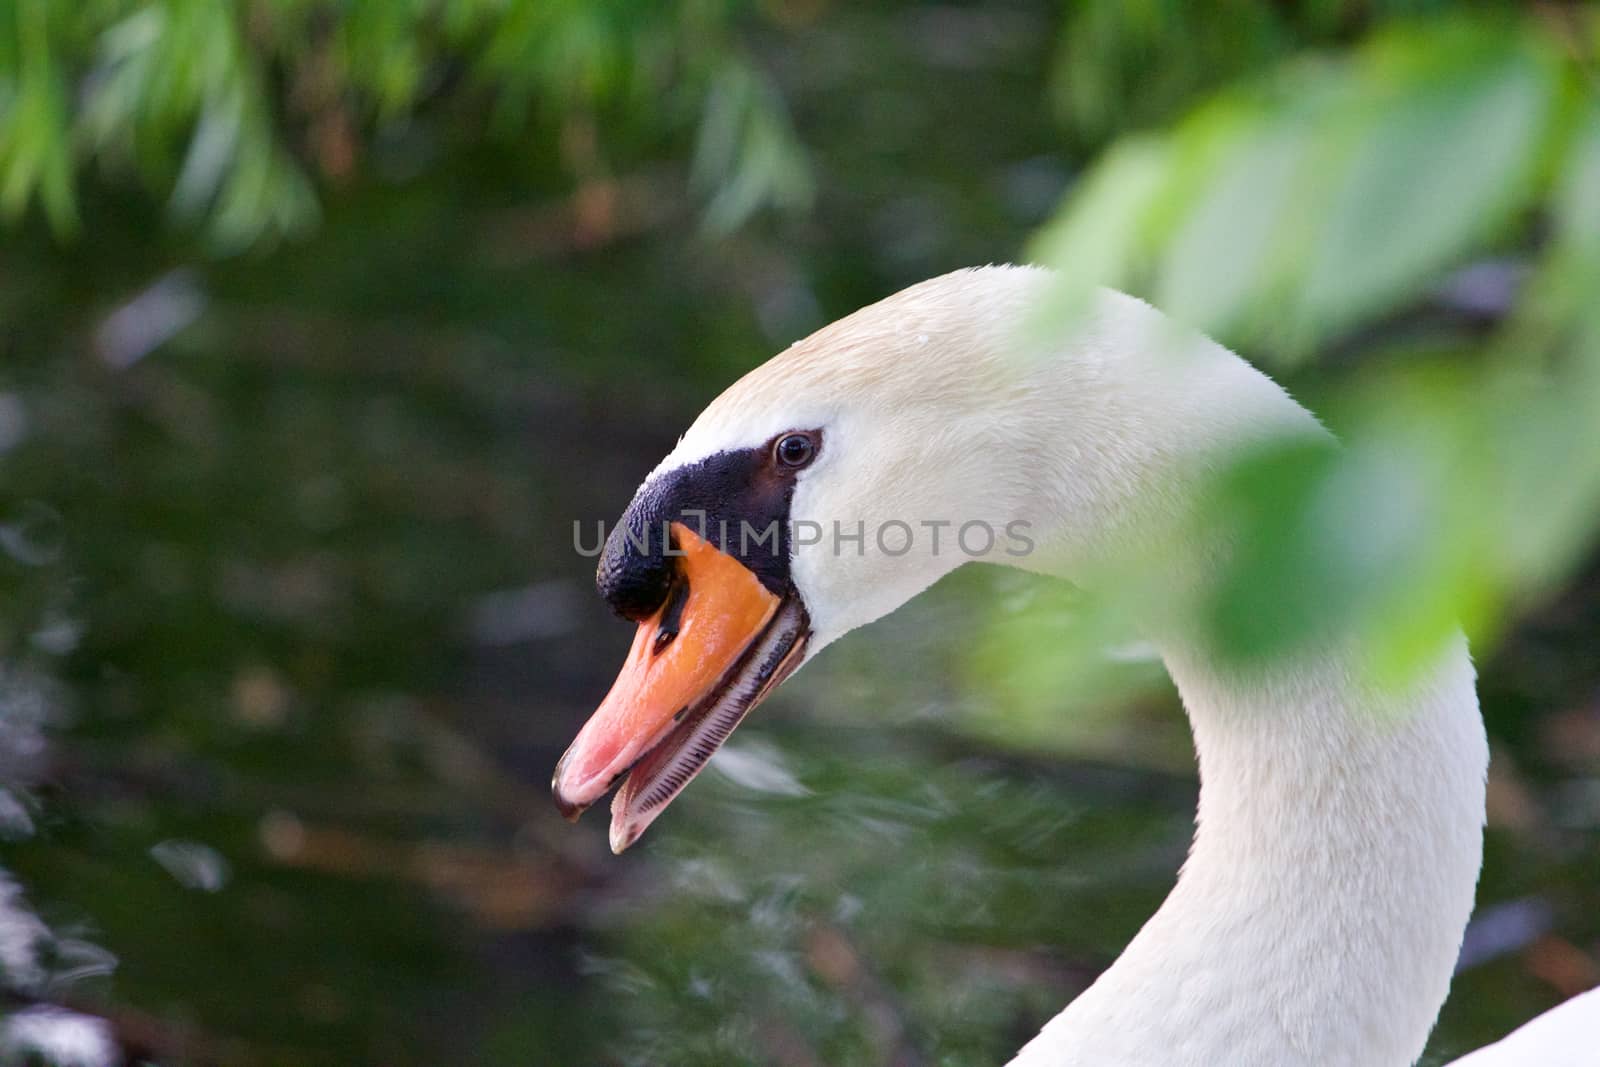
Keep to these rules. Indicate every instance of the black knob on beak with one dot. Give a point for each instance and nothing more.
(635, 573)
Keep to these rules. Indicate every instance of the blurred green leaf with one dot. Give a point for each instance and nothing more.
(1291, 211)
(1294, 210)
(1434, 152)
(35, 159)
(238, 112)
(1546, 383)
(1053, 668)
(747, 155)
(1103, 237)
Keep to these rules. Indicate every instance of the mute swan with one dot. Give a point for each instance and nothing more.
(1339, 831)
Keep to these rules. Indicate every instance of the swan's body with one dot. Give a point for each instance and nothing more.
(1339, 836)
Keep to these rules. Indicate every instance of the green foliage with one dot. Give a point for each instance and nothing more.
(33, 137)
(1293, 208)
(746, 154)
(1127, 64)
(236, 111)
(1071, 696)
(1291, 211)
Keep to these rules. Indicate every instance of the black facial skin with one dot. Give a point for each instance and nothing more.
(738, 501)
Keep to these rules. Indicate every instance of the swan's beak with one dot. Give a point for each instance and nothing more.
(715, 649)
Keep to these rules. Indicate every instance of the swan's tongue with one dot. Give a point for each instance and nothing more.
(718, 645)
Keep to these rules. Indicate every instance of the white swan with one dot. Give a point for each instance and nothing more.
(1339, 833)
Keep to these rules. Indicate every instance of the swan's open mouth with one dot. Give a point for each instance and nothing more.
(719, 644)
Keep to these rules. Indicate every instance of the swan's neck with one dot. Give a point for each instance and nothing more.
(1339, 836)
(1318, 917)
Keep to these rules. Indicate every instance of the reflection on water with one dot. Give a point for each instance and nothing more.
(192, 865)
(914, 904)
(58, 1037)
(38, 964)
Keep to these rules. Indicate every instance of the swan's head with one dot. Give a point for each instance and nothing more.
(829, 486)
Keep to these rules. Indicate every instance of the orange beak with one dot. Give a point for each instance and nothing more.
(697, 666)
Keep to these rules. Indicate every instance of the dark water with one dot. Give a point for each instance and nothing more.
(289, 602)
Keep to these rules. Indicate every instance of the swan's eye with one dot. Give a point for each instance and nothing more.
(794, 450)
